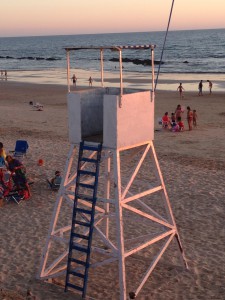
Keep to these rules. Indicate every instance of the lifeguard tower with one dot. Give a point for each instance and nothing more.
(114, 210)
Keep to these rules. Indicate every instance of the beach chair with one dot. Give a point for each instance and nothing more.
(21, 148)
(7, 189)
(159, 121)
(55, 182)
(15, 196)
(13, 192)
(2, 162)
(53, 186)
(38, 106)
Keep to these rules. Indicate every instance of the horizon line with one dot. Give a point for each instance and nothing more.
(103, 33)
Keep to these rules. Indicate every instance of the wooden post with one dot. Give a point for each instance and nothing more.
(153, 74)
(68, 69)
(121, 78)
(102, 68)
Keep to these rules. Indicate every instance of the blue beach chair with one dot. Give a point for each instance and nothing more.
(21, 148)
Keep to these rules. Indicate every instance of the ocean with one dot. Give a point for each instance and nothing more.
(186, 52)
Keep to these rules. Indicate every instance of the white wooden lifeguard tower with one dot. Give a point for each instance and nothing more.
(122, 122)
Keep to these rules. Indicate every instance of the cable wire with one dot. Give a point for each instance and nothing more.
(160, 62)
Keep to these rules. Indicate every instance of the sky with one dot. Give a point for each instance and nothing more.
(62, 17)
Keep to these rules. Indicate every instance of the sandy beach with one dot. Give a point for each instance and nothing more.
(193, 167)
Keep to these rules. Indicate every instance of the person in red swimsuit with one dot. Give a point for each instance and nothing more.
(165, 120)
(180, 124)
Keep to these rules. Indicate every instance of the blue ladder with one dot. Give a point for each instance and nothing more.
(83, 219)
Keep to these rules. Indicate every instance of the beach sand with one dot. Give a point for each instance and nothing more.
(193, 167)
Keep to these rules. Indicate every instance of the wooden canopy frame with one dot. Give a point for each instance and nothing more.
(112, 48)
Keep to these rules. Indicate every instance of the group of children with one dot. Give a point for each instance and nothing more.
(175, 123)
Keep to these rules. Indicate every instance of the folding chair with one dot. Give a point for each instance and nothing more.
(14, 196)
(38, 106)
(55, 182)
(53, 186)
(21, 148)
(159, 121)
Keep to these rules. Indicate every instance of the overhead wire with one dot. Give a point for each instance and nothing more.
(164, 44)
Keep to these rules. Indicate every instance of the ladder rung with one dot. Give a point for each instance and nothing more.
(82, 223)
(84, 172)
(90, 160)
(81, 236)
(85, 197)
(73, 286)
(85, 211)
(81, 249)
(76, 274)
(79, 262)
(91, 147)
(87, 186)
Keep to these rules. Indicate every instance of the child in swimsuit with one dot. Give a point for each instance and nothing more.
(189, 117)
(180, 124)
(194, 118)
(165, 120)
(180, 89)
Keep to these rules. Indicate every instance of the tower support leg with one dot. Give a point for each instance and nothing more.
(119, 224)
(168, 205)
(56, 212)
(107, 190)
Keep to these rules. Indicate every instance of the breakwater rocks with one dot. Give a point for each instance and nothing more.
(30, 58)
(144, 62)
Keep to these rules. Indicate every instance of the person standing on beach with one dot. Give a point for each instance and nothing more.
(74, 79)
(180, 89)
(210, 86)
(189, 117)
(195, 118)
(178, 112)
(200, 86)
(90, 81)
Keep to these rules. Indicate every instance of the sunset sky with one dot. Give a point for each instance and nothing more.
(59, 17)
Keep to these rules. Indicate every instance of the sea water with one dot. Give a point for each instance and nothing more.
(189, 56)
